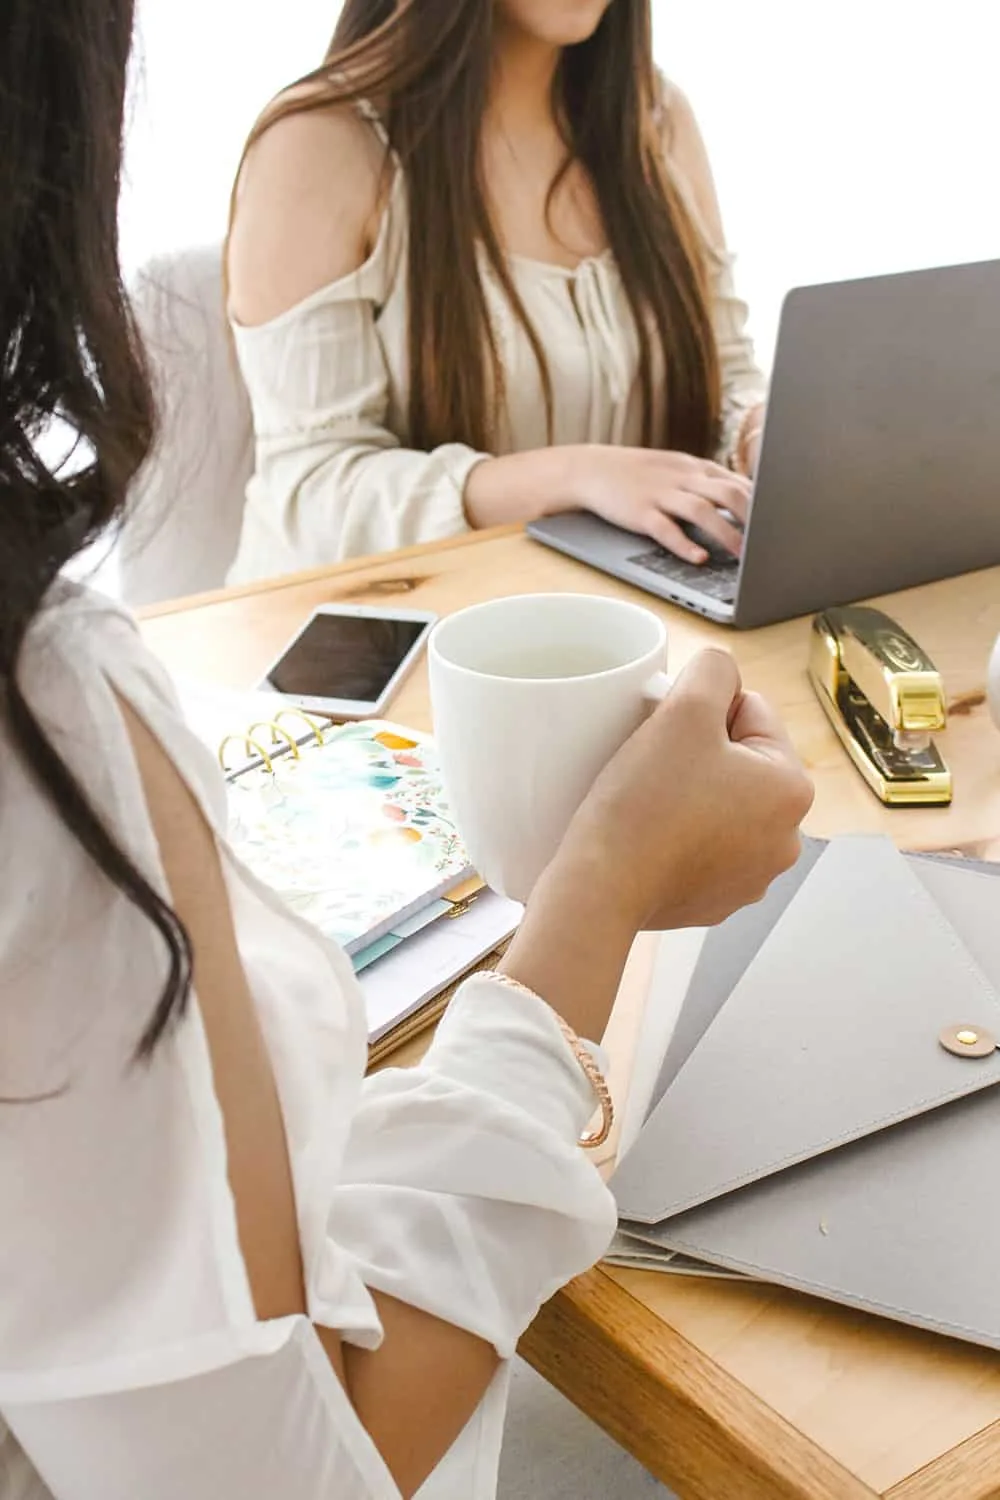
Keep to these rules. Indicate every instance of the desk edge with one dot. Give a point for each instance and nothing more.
(315, 575)
(704, 1427)
(969, 1472)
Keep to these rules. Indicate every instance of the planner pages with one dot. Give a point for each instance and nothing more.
(353, 831)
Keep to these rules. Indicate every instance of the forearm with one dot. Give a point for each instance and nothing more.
(521, 487)
(571, 950)
(418, 1390)
(416, 1393)
(465, 1203)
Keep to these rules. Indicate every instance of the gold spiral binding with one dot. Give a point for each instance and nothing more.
(278, 732)
(300, 713)
(249, 743)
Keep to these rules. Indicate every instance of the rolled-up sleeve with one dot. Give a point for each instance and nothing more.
(463, 1191)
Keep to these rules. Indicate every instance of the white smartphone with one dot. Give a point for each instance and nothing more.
(347, 661)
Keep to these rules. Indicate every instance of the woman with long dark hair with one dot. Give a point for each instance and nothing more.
(230, 1267)
(477, 274)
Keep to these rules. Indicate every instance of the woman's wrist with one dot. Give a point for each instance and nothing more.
(746, 448)
(522, 487)
(571, 949)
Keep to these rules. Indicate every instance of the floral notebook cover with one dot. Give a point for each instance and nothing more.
(354, 832)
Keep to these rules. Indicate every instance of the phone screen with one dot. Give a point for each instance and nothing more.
(350, 657)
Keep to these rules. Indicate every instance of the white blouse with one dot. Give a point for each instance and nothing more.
(132, 1365)
(329, 391)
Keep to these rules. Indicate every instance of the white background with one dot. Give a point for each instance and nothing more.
(846, 138)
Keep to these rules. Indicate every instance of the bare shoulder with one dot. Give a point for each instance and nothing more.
(306, 207)
(687, 158)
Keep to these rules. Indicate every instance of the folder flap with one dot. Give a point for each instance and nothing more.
(905, 1223)
(730, 947)
(728, 952)
(831, 1034)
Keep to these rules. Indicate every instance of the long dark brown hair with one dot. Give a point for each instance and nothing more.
(427, 65)
(68, 354)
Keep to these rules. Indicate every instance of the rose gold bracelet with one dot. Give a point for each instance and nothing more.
(584, 1057)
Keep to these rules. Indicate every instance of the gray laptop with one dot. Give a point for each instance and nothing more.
(880, 464)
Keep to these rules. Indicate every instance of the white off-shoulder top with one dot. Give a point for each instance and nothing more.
(329, 391)
(132, 1365)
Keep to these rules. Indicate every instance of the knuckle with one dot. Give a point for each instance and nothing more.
(757, 888)
(675, 502)
(805, 793)
(703, 512)
(790, 853)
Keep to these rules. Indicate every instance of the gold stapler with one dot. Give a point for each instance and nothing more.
(885, 698)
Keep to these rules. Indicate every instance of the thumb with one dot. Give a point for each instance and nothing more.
(711, 685)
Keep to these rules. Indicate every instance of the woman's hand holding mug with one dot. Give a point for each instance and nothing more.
(605, 817)
(697, 812)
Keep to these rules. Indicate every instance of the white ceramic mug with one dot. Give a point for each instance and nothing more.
(532, 695)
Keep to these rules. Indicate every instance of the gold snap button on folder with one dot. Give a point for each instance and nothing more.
(968, 1041)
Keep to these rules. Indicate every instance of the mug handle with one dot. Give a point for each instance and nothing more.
(657, 687)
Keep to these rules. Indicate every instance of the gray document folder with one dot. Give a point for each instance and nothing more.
(809, 1128)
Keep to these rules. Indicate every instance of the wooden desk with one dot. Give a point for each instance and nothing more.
(726, 1392)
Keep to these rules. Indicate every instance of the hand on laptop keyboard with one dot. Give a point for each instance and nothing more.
(691, 507)
(717, 556)
(716, 578)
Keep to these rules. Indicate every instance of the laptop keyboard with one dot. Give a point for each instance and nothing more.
(716, 578)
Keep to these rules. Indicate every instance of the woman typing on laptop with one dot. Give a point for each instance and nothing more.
(231, 1268)
(478, 275)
